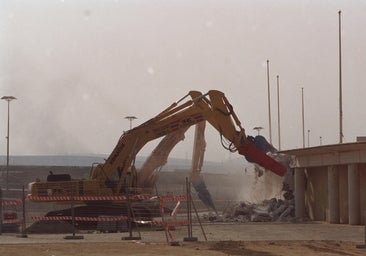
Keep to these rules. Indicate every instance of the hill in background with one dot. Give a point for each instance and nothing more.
(174, 164)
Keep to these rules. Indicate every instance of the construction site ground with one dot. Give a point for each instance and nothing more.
(222, 239)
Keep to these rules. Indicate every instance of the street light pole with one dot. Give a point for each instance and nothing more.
(269, 105)
(340, 81)
(131, 118)
(8, 99)
(303, 118)
(278, 112)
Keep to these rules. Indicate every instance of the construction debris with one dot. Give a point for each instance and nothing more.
(267, 211)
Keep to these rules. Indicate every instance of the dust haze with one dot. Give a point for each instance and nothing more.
(78, 68)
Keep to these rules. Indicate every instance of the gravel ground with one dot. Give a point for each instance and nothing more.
(217, 232)
(223, 239)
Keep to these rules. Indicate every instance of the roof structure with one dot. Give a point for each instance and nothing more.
(336, 154)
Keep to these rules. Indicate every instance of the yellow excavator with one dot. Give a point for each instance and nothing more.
(118, 176)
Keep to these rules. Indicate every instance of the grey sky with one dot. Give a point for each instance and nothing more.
(79, 67)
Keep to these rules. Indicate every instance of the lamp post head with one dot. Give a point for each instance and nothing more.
(131, 117)
(258, 128)
(8, 98)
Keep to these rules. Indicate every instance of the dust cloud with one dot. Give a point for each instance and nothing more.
(79, 67)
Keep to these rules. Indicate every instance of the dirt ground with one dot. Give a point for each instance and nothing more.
(223, 239)
(250, 248)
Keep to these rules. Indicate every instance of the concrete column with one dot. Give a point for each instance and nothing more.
(354, 195)
(333, 194)
(299, 193)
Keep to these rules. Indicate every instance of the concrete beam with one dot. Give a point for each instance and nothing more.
(354, 195)
(333, 194)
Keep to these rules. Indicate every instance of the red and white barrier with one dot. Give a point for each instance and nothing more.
(111, 218)
(173, 198)
(166, 223)
(62, 218)
(106, 198)
(8, 202)
(11, 221)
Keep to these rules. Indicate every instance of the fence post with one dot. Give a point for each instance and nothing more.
(129, 223)
(161, 207)
(190, 237)
(1, 211)
(23, 234)
(73, 219)
(199, 220)
(363, 246)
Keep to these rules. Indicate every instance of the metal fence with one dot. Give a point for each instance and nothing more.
(130, 213)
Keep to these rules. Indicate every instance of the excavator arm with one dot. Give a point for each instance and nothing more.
(198, 154)
(116, 173)
(146, 178)
(199, 148)
(146, 175)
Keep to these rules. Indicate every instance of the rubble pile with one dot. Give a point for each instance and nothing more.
(266, 211)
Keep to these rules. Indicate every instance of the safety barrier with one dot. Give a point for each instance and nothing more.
(82, 214)
(15, 202)
(87, 198)
(134, 212)
(170, 221)
(11, 211)
(10, 215)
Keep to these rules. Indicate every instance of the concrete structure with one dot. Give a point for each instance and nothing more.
(330, 182)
